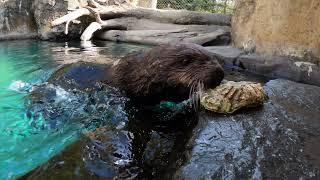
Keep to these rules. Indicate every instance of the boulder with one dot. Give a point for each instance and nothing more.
(104, 153)
(46, 11)
(294, 69)
(227, 55)
(277, 141)
(16, 20)
(82, 76)
(144, 147)
(21, 19)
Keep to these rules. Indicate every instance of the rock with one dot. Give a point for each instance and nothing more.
(16, 20)
(105, 153)
(81, 76)
(292, 68)
(281, 67)
(75, 93)
(226, 55)
(21, 19)
(157, 149)
(272, 27)
(232, 96)
(277, 141)
(144, 148)
(46, 11)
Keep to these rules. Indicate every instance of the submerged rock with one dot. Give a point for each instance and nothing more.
(277, 141)
(104, 153)
(147, 147)
(232, 96)
(80, 76)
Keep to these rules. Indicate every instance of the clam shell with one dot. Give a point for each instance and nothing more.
(232, 96)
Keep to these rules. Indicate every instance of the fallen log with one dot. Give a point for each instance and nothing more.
(155, 37)
(129, 16)
(171, 16)
(132, 23)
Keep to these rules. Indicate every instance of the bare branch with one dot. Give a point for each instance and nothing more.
(67, 28)
(71, 16)
(88, 32)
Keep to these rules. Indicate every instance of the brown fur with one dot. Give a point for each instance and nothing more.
(167, 72)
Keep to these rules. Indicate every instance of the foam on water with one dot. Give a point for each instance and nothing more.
(19, 86)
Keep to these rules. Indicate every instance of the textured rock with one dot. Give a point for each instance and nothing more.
(286, 27)
(291, 68)
(232, 96)
(21, 19)
(16, 20)
(101, 154)
(278, 141)
(46, 11)
(81, 76)
(226, 55)
(281, 67)
(145, 148)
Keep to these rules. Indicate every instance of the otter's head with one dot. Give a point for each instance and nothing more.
(167, 72)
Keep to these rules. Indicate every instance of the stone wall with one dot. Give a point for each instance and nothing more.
(278, 27)
(20, 19)
(16, 19)
(46, 11)
(31, 18)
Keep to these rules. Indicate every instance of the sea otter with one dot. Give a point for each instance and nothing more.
(167, 72)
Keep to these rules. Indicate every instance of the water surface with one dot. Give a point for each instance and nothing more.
(23, 65)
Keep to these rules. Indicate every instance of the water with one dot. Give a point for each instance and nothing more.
(47, 132)
(27, 139)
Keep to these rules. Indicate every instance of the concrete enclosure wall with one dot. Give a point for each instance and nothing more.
(278, 27)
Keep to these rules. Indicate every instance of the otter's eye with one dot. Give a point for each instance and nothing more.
(186, 61)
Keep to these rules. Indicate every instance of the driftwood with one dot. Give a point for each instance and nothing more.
(125, 22)
(155, 37)
(150, 32)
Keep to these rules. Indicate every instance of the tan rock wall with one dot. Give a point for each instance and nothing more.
(281, 27)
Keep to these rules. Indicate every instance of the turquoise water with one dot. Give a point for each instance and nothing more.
(23, 65)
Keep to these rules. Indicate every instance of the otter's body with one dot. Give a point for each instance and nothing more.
(166, 72)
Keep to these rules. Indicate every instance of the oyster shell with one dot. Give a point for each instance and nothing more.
(232, 96)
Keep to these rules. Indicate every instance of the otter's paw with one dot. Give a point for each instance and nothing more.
(232, 96)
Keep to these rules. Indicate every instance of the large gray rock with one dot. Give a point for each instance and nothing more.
(16, 20)
(281, 67)
(20, 19)
(295, 69)
(46, 11)
(227, 55)
(278, 141)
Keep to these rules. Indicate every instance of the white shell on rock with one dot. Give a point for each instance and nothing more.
(232, 96)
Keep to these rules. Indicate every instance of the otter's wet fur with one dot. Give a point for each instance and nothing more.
(167, 72)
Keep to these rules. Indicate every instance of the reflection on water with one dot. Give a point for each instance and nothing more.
(27, 140)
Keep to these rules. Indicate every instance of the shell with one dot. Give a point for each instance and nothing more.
(232, 96)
